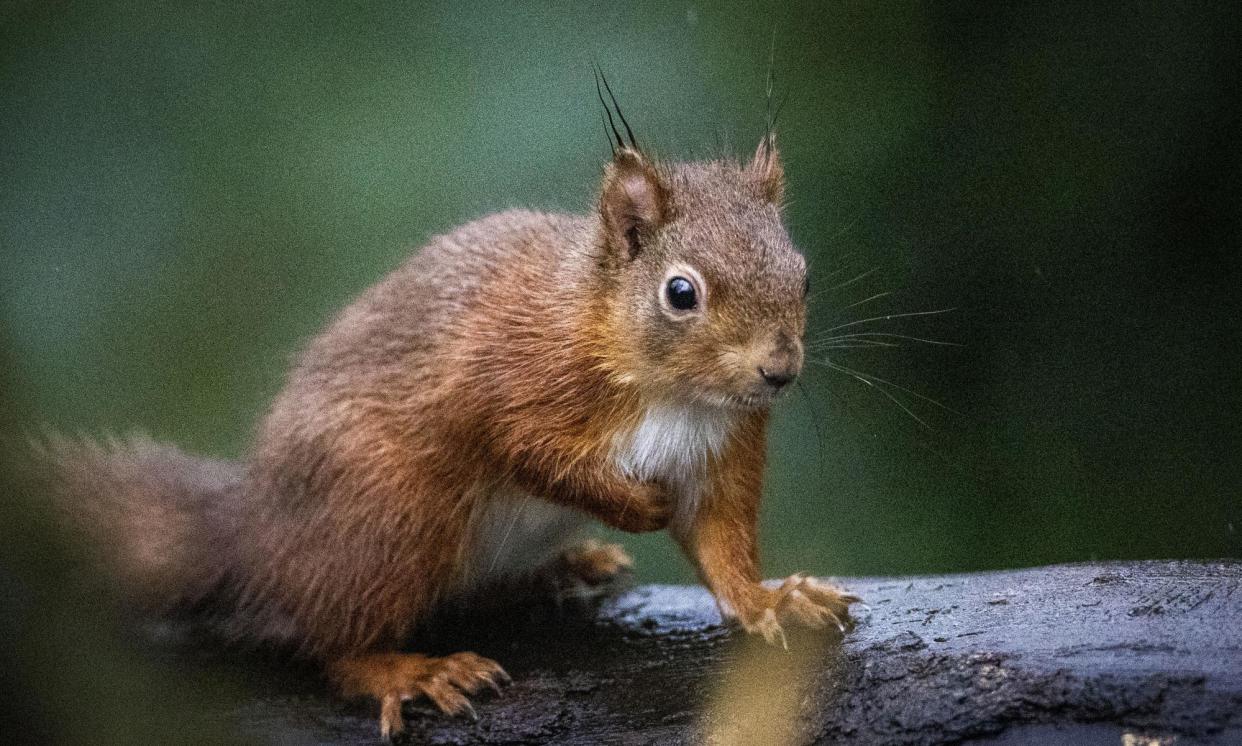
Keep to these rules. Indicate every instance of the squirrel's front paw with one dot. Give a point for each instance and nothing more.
(799, 601)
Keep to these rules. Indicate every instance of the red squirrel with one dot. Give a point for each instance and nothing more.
(455, 427)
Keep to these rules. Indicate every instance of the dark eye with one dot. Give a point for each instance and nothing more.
(681, 295)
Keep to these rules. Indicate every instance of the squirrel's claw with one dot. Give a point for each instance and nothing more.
(393, 678)
(390, 716)
(803, 602)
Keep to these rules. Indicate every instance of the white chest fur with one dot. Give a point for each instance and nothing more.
(516, 534)
(672, 443)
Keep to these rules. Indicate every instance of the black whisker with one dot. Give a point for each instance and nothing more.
(615, 105)
(612, 124)
(776, 115)
(612, 148)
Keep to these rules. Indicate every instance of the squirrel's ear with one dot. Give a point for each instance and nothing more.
(633, 201)
(767, 169)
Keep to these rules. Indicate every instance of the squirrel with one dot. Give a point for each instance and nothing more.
(454, 428)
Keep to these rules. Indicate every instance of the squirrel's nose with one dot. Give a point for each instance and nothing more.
(782, 363)
(777, 378)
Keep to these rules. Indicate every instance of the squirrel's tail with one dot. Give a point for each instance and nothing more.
(163, 522)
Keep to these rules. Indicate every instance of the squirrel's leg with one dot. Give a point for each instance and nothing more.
(393, 678)
(598, 489)
(722, 541)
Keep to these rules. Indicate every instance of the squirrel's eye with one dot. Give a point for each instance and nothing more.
(680, 292)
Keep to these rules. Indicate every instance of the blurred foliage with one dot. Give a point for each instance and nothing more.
(191, 190)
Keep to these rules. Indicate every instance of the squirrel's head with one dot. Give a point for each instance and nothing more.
(704, 284)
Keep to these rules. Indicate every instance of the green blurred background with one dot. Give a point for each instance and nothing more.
(191, 190)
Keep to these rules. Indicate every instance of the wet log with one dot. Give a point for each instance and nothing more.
(1116, 653)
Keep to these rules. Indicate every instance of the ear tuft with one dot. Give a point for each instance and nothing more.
(633, 202)
(767, 169)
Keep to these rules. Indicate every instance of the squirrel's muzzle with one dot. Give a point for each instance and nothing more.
(783, 362)
(777, 378)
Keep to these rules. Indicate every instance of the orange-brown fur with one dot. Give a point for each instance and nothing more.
(503, 362)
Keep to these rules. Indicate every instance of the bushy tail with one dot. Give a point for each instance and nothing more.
(162, 521)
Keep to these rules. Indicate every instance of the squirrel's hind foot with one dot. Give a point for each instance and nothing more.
(586, 572)
(593, 562)
(394, 678)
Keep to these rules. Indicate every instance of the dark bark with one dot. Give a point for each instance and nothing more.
(1075, 654)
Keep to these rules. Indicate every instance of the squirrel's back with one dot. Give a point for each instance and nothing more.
(422, 306)
(413, 348)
